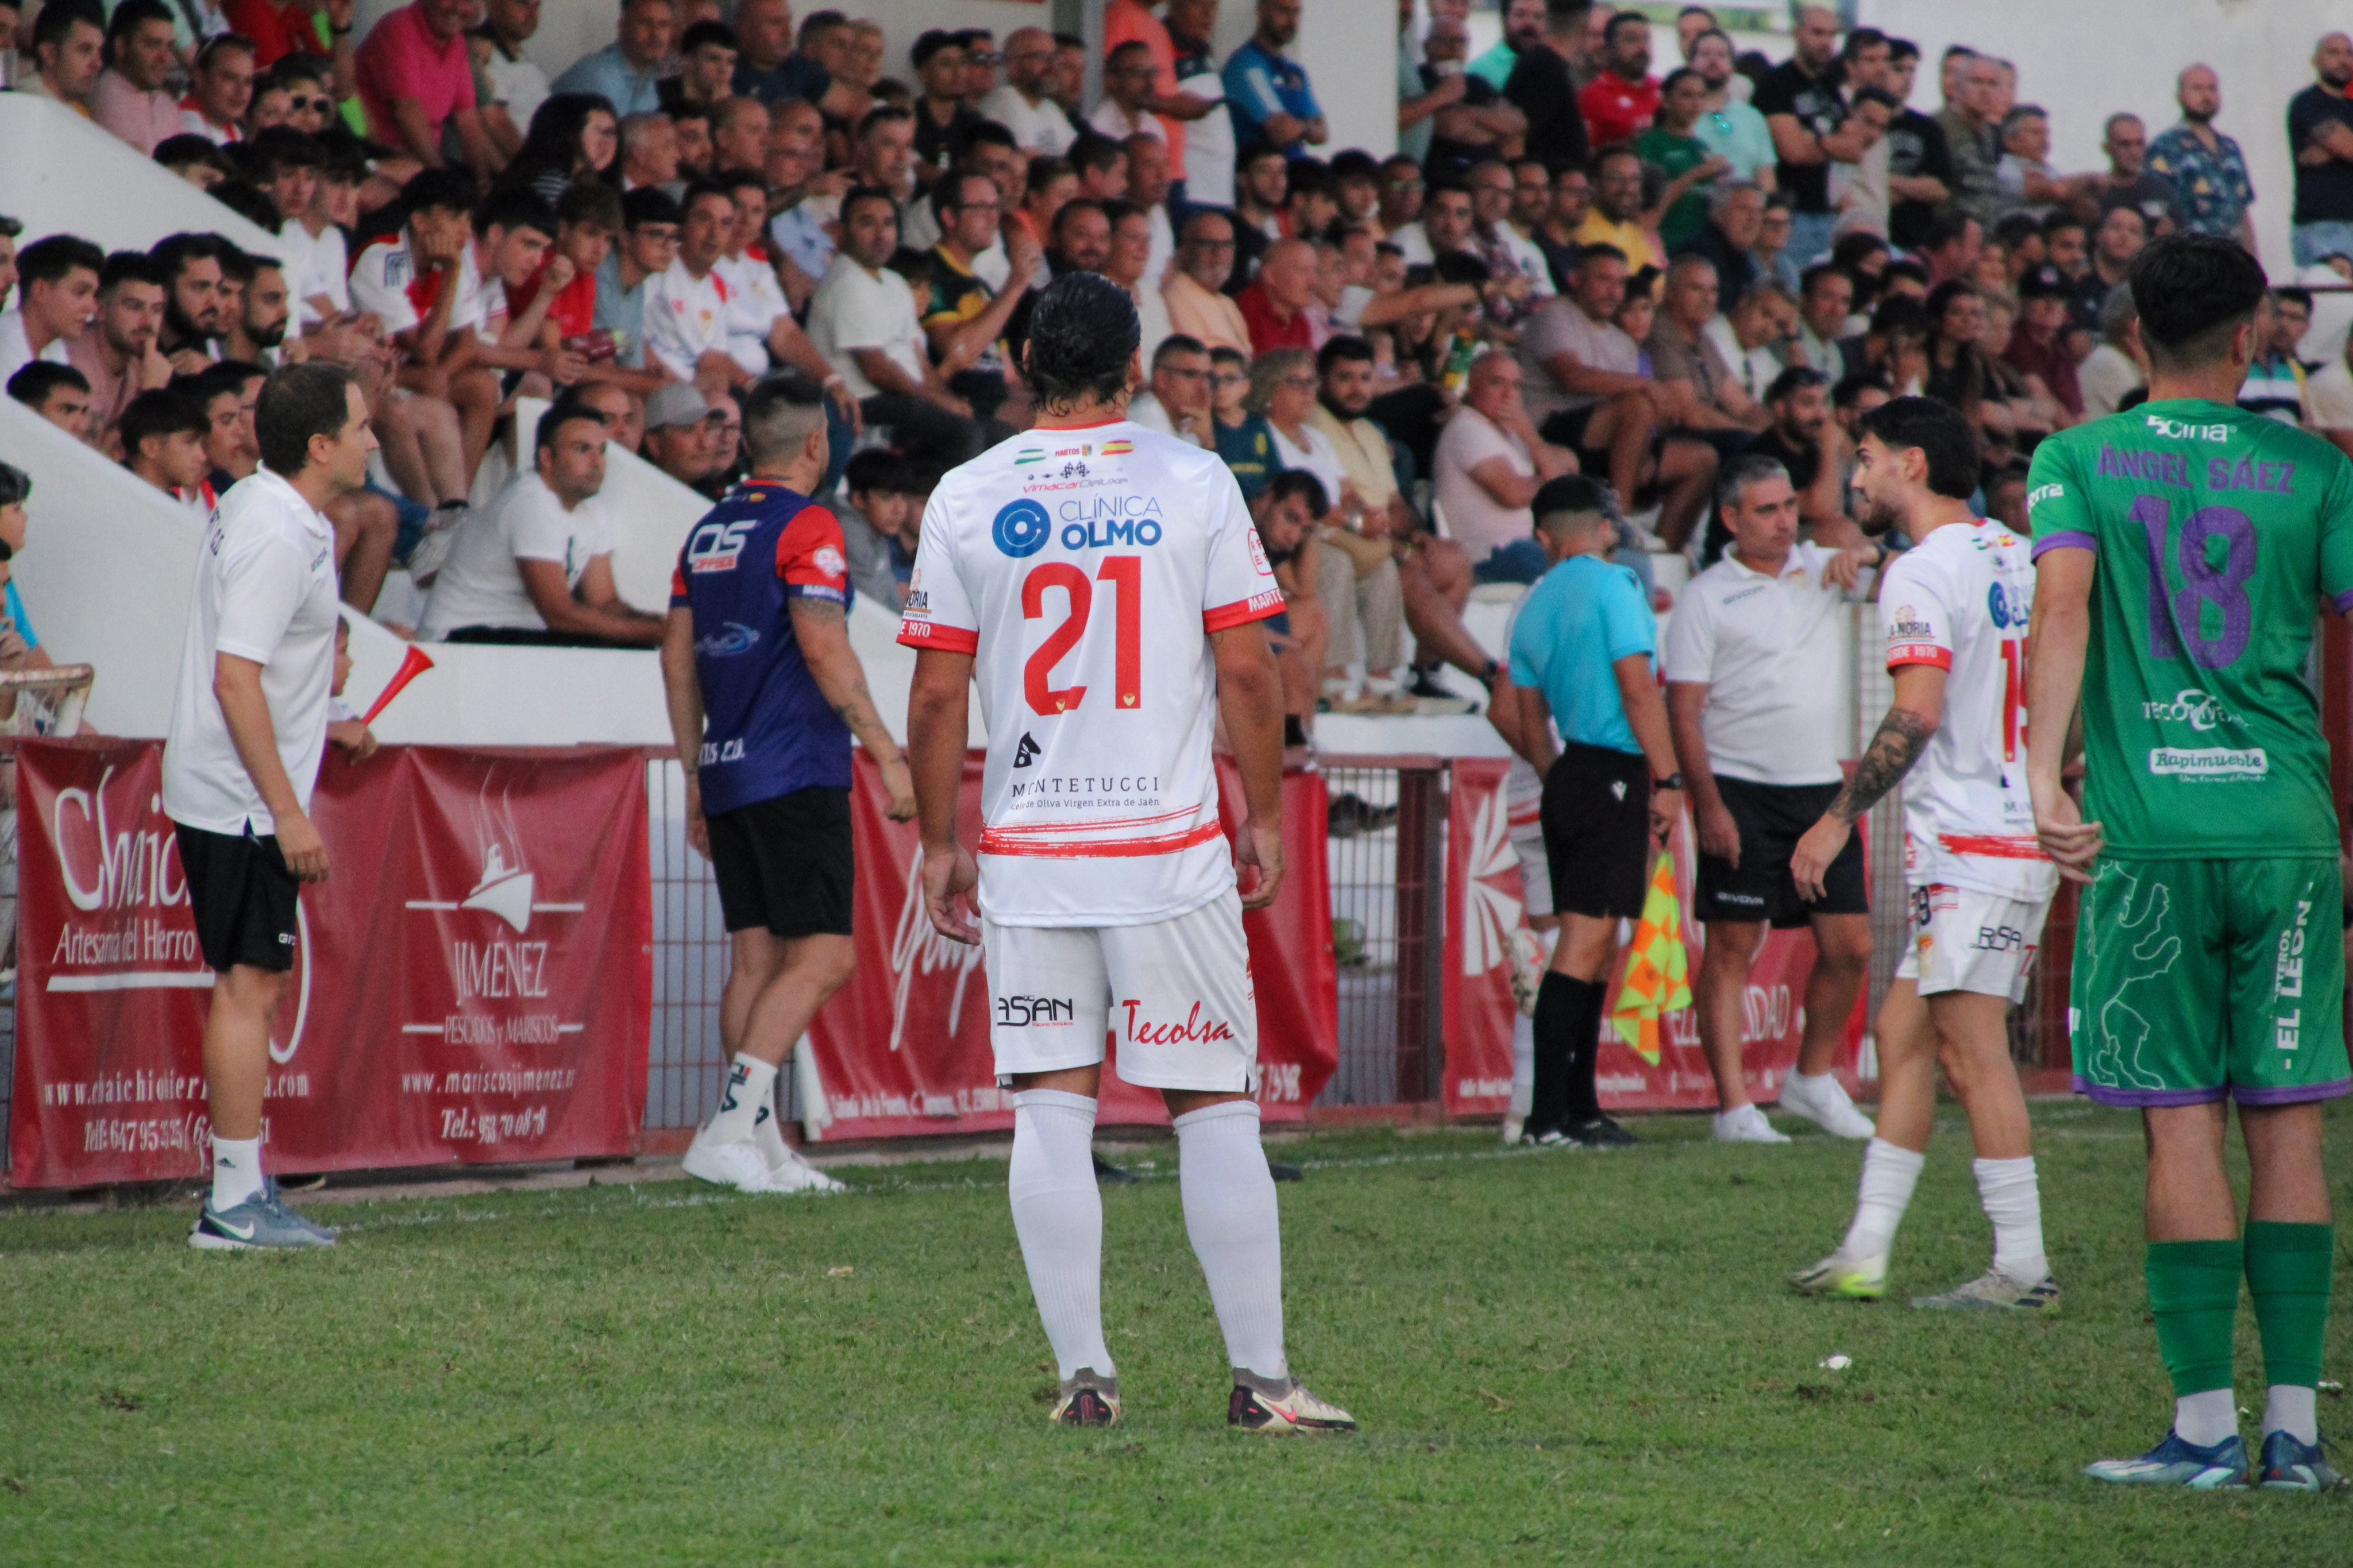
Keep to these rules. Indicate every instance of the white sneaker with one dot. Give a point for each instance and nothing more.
(431, 553)
(1824, 1103)
(1514, 1123)
(736, 1163)
(797, 1175)
(1746, 1125)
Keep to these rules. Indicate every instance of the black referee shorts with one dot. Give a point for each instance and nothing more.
(1596, 817)
(241, 897)
(1772, 818)
(785, 864)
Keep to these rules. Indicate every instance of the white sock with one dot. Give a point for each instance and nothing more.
(2289, 1409)
(1524, 1062)
(236, 1171)
(750, 1084)
(2205, 1420)
(1231, 1216)
(2007, 1188)
(1058, 1215)
(1889, 1173)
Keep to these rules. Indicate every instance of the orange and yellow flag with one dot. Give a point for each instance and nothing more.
(1656, 978)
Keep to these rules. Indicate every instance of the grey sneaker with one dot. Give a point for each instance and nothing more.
(261, 1222)
(1994, 1291)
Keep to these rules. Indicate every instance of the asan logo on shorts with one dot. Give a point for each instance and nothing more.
(1022, 529)
(1036, 1013)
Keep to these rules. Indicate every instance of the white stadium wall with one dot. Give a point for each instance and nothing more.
(58, 171)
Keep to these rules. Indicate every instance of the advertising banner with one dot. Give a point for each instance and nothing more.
(904, 1048)
(1662, 1067)
(473, 981)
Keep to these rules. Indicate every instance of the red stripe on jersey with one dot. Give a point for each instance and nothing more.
(947, 639)
(994, 843)
(1257, 608)
(1993, 846)
(1919, 653)
(1094, 826)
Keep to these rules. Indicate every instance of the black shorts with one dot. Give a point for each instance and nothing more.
(785, 863)
(1597, 831)
(241, 897)
(1772, 818)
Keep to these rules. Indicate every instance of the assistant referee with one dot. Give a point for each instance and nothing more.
(1584, 654)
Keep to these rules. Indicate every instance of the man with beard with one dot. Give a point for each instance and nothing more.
(1919, 163)
(2320, 129)
(2207, 170)
(261, 325)
(1812, 446)
(119, 359)
(192, 272)
(1624, 100)
(1617, 216)
(1543, 87)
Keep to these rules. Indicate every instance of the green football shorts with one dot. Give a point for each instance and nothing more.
(2197, 980)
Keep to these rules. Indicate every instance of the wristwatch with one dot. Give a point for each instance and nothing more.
(1671, 781)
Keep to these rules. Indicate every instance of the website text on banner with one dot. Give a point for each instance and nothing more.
(473, 984)
(1485, 914)
(903, 1050)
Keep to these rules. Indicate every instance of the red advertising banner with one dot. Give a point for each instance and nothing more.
(473, 981)
(1485, 913)
(904, 1048)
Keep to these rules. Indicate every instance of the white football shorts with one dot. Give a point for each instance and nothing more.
(1535, 871)
(1173, 999)
(1965, 939)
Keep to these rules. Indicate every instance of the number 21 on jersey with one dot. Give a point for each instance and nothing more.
(1125, 574)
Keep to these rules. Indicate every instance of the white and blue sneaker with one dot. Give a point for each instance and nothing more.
(262, 1224)
(2174, 1463)
(2292, 1465)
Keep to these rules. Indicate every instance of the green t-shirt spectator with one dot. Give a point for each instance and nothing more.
(1678, 155)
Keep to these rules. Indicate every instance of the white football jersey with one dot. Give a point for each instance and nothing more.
(1960, 601)
(387, 283)
(1085, 570)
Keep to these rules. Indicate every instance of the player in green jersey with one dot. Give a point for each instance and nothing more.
(2180, 550)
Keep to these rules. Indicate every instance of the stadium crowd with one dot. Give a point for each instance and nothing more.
(1573, 263)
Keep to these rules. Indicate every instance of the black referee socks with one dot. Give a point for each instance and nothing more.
(1567, 1031)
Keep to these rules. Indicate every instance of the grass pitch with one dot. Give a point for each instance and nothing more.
(1556, 1357)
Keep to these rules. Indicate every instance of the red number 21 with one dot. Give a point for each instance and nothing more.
(1126, 575)
(2013, 697)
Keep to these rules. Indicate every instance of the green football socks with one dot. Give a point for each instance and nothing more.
(2288, 1274)
(2193, 1289)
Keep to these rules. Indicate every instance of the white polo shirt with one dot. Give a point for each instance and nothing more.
(482, 585)
(1767, 650)
(855, 309)
(265, 590)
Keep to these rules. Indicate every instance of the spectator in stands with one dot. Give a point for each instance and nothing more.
(1244, 441)
(257, 332)
(2121, 237)
(416, 80)
(69, 52)
(537, 566)
(966, 325)
(1177, 400)
(1127, 107)
(220, 91)
(650, 155)
(739, 138)
(425, 283)
(228, 394)
(20, 646)
(1732, 128)
(1266, 93)
(864, 320)
(1970, 122)
(2207, 170)
(886, 151)
(1811, 129)
(1508, 253)
(1815, 454)
(163, 444)
(2038, 341)
(772, 70)
(1543, 87)
(1101, 166)
(574, 136)
(707, 50)
(681, 424)
(1274, 307)
(132, 100)
(688, 314)
(881, 525)
(2274, 384)
(1523, 29)
(2328, 397)
(9, 229)
(626, 72)
(1690, 167)
(648, 248)
(1197, 307)
(1490, 464)
(2114, 368)
(1758, 736)
(1022, 103)
(194, 159)
(1080, 240)
(623, 414)
(1444, 228)
(57, 278)
(943, 121)
(2320, 138)
(120, 358)
(317, 258)
(2128, 182)
(57, 393)
(517, 85)
(1825, 301)
(1696, 387)
(1619, 217)
(1621, 102)
(1358, 580)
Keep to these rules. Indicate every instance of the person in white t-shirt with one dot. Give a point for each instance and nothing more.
(249, 729)
(58, 286)
(1490, 464)
(1177, 402)
(1749, 660)
(863, 319)
(1020, 103)
(1955, 607)
(1106, 587)
(537, 566)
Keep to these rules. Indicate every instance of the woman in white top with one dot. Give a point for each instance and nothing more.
(1283, 387)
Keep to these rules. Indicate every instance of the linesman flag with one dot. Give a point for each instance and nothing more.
(1656, 978)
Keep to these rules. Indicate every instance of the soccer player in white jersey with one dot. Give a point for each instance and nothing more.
(1104, 585)
(1956, 608)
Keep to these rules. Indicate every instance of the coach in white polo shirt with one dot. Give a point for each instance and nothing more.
(247, 730)
(1751, 661)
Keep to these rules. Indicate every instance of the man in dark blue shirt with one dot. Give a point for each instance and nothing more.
(764, 694)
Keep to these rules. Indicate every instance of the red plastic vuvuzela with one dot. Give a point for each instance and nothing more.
(411, 664)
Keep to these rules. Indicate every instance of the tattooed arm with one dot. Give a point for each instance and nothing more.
(822, 629)
(1911, 722)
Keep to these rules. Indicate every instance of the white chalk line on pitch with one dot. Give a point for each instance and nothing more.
(894, 1188)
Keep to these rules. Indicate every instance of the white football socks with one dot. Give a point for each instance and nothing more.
(1524, 1063)
(2205, 1420)
(751, 1084)
(1889, 1173)
(1058, 1215)
(2291, 1409)
(236, 1171)
(2007, 1188)
(1231, 1216)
